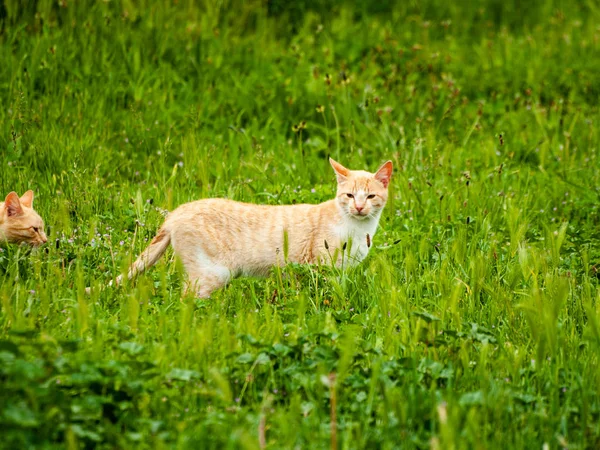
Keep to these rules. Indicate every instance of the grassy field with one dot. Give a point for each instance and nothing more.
(475, 320)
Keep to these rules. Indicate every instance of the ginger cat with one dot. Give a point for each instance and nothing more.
(219, 239)
(19, 223)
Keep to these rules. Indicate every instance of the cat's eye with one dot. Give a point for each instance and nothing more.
(350, 195)
(370, 196)
(36, 229)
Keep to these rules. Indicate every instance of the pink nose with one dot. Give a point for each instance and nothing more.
(359, 208)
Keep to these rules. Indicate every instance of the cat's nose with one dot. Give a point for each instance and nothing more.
(360, 208)
(44, 238)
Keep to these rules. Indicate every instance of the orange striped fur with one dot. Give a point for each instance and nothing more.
(19, 223)
(219, 239)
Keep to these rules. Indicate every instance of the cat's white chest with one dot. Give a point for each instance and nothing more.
(358, 236)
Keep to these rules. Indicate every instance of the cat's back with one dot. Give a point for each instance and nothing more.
(227, 206)
(223, 212)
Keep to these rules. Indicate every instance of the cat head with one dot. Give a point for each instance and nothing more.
(19, 223)
(362, 195)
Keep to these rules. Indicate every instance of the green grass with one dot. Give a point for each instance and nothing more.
(473, 323)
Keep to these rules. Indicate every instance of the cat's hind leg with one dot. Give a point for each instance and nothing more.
(206, 270)
(204, 275)
(203, 287)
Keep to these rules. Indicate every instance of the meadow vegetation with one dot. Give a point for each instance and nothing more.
(473, 323)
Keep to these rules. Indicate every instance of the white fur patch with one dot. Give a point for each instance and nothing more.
(356, 231)
(210, 269)
(204, 266)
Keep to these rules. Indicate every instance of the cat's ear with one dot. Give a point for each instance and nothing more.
(384, 174)
(27, 199)
(340, 171)
(12, 204)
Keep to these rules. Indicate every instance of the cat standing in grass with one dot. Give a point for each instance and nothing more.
(19, 223)
(219, 239)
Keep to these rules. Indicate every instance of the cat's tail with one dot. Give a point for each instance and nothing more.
(148, 258)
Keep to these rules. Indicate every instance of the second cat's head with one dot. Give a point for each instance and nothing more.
(362, 195)
(19, 223)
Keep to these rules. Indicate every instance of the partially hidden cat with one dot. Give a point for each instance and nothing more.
(219, 239)
(19, 223)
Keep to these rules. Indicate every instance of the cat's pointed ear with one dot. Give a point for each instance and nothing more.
(340, 171)
(12, 204)
(384, 174)
(27, 199)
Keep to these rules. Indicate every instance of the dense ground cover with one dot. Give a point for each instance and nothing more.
(475, 321)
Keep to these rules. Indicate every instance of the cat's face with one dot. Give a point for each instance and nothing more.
(19, 223)
(362, 195)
